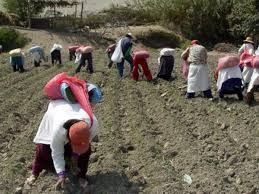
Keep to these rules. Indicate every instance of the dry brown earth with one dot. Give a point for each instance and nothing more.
(150, 135)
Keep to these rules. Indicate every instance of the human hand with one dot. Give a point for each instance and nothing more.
(60, 183)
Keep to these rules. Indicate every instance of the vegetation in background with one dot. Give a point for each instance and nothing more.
(28, 8)
(210, 21)
(11, 39)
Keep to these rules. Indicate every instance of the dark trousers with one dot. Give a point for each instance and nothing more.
(37, 64)
(109, 54)
(89, 58)
(120, 66)
(17, 64)
(43, 160)
(55, 57)
(206, 93)
(72, 55)
(232, 86)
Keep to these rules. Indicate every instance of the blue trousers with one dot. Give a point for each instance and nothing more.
(120, 66)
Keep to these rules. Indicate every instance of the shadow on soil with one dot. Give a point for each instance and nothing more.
(111, 182)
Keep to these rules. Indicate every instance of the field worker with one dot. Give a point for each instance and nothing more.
(140, 58)
(1, 49)
(38, 55)
(17, 60)
(198, 78)
(110, 50)
(64, 134)
(123, 52)
(66, 130)
(55, 53)
(166, 64)
(254, 82)
(85, 54)
(246, 52)
(72, 51)
(229, 77)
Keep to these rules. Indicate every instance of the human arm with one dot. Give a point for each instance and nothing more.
(185, 54)
(57, 153)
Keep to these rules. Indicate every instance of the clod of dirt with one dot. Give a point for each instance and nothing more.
(170, 153)
(223, 126)
(238, 181)
(18, 190)
(94, 158)
(230, 172)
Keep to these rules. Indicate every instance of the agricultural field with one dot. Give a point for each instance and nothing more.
(150, 136)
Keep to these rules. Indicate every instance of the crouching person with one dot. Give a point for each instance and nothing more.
(166, 64)
(64, 134)
(85, 54)
(55, 53)
(17, 60)
(38, 55)
(140, 58)
(229, 77)
(198, 77)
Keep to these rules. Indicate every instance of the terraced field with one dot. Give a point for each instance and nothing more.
(150, 135)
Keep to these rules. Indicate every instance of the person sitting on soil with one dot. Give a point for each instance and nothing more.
(140, 58)
(246, 52)
(123, 52)
(38, 55)
(198, 78)
(110, 50)
(85, 54)
(229, 77)
(166, 64)
(55, 53)
(17, 60)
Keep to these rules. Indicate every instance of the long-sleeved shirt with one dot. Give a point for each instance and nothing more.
(126, 46)
(247, 46)
(52, 132)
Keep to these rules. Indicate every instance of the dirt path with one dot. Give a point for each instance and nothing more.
(149, 138)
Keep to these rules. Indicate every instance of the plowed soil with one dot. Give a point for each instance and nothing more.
(150, 135)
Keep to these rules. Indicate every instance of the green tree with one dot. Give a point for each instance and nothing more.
(244, 18)
(23, 7)
(202, 19)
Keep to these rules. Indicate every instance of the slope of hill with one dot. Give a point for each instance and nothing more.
(150, 135)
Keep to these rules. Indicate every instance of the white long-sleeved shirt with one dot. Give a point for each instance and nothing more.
(52, 132)
(247, 46)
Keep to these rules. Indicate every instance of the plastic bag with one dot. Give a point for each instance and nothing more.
(117, 54)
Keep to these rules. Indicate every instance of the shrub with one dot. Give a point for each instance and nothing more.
(158, 38)
(11, 39)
